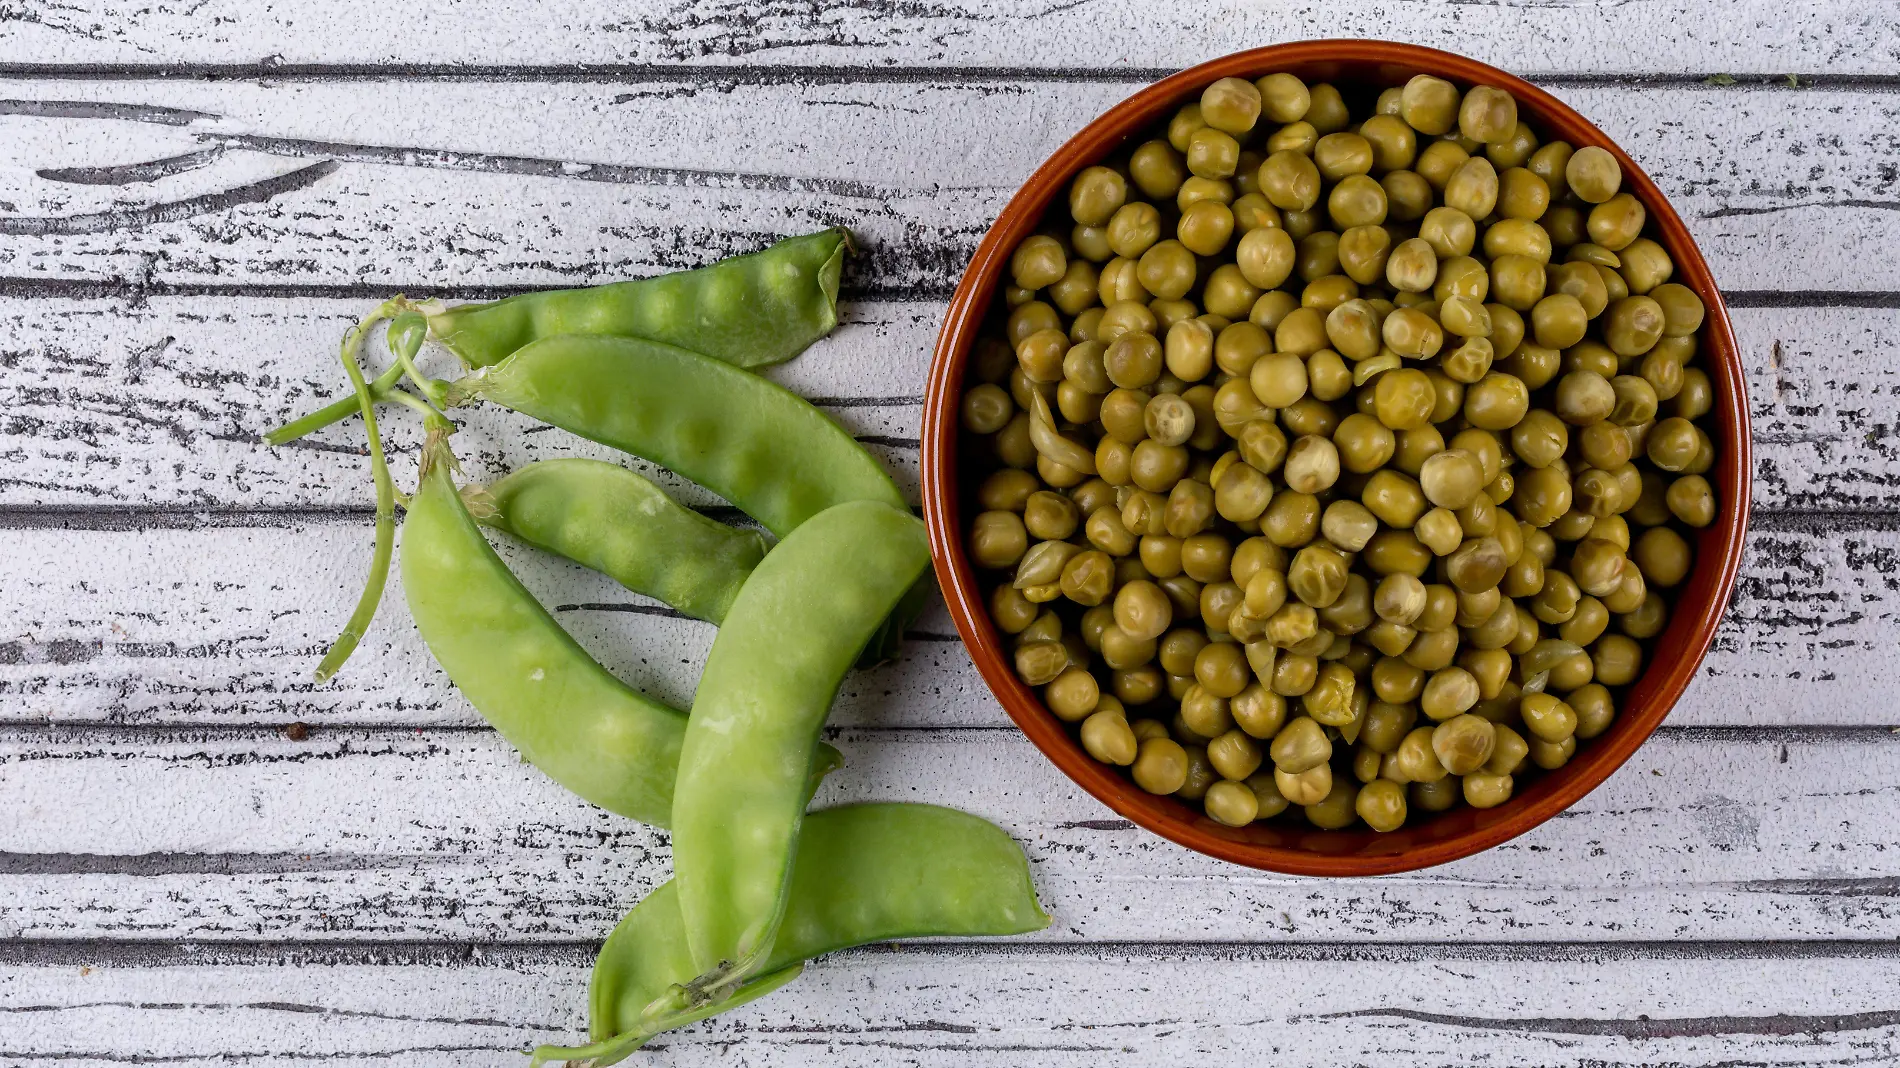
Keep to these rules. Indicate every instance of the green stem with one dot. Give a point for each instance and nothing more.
(334, 413)
(372, 595)
(608, 1051)
(614, 1050)
(725, 979)
(665, 1013)
(431, 389)
(433, 417)
(380, 388)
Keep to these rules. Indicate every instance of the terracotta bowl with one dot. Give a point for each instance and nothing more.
(1285, 845)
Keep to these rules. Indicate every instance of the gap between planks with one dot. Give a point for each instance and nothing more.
(186, 517)
(820, 74)
(929, 210)
(137, 289)
(153, 953)
(74, 732)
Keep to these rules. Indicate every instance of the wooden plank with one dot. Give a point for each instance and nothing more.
(225, 626)
(222, 626)
(1696, 1006)
(163, 402)
(1824, 431)
(1596, 36)
(436, 835)
(159, 402)
(387, 184)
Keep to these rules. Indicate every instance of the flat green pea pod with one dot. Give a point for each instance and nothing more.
(569, 717)
(611, 519)
(767, 686)
(865, 873)
(761, 447)
(749, 311)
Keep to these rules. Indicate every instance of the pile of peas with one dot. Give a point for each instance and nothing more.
(1338, 464)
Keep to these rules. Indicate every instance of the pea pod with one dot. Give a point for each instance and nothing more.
(608, 518)
(749, 311)
(767, 686)
(761, 447)
(865, 873)
(570, 717)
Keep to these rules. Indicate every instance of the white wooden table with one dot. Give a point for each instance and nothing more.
(198, 196)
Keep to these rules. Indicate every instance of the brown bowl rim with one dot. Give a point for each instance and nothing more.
(1288, 849)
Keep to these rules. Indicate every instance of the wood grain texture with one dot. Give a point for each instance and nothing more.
(204, 194)
(1424, 1007)
(158, 403)
(349, 835)
(221, 626)
(1674, 36)
(183, 629)
(385, 184)
(162, 402)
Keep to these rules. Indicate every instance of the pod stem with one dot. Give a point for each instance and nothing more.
(666, 1013)
(481, 504)
(378, 578)
(383, 388)
(435, 451)
(465, 390)
(405, 335)
(335, 412)
(597, 1055)
(431, 415)
(718, 984)
(663, 1015)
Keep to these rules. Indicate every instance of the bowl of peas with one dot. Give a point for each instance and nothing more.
(1336, 457)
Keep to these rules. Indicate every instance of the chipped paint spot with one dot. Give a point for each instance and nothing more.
(1726, 822)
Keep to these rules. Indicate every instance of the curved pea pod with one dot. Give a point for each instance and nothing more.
(761, 447)
(767, 686)
(570, 717)
(749, 311)
(865, 873)
(611, 519)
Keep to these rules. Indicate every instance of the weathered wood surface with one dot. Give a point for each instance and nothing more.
(158, 402)
(1082, 39)
(404, 834)
(380, 184)
(161, 403)
(222, 626)
(201, 196)
(1294, 1006)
